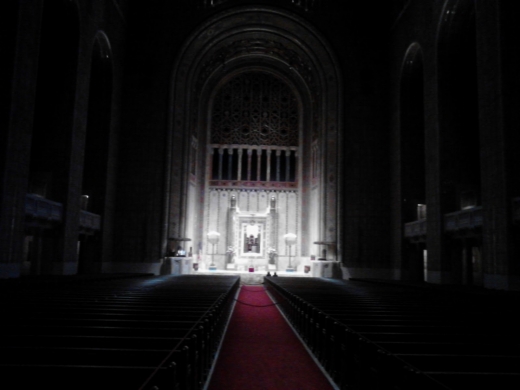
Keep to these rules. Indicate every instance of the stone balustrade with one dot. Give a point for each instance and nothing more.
(43, 213)
(37, 207)
(415, 229)
(89, 221)
(254, 166)
(468, 219)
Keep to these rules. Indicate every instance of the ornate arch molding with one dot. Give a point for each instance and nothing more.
(103, 43)
(102, 50)
(412, 56)
(412, 136)
(264, 39)
(412, 69)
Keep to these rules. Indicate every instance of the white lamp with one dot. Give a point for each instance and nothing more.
(290, 240)
(213, 238)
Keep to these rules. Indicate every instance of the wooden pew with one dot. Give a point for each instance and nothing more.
(150, 333)
(380, 336)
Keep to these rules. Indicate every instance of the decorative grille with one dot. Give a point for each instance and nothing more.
(255, 109)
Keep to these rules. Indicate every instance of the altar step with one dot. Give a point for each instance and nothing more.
(248, 278)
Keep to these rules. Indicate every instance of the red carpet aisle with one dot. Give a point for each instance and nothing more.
(260, 350)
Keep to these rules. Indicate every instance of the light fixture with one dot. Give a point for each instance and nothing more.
(290, 240)
(213, 238)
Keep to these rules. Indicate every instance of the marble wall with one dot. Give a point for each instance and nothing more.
(285, 218)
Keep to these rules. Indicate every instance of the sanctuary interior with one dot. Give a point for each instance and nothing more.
(379, 137)
(150, 151)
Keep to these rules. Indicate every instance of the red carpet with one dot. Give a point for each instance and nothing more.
(260, 350)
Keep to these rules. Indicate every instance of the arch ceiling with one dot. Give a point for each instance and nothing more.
(255, 39)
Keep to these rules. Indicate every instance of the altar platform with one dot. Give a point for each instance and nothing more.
(256, 277)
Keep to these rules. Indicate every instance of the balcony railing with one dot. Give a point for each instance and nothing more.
(249, 165)
(89, 221)
(468, 219)
(42, 212)
(415, 229)
(38, 207)
(267, 185)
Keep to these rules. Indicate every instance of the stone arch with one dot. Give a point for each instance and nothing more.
(102, 47)
(97, 149)
(269, 40)
(412, 157)
(412, 127)
(459, 135)
(98, 122)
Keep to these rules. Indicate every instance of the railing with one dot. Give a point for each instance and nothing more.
(148, 333)
(351, 359)
(463, 220)
(415, 229)
(374, 335)
(188, 364)
(45, 210)
(40, 208)
(268, 185)
(89, 221)
(251, 165)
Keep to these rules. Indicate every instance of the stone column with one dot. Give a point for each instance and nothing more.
(295, 165)
(278, 154)
(249, 157)
(220, 158)
(239, 174)
(498, 119)
(287, 164)
(467, 263)
(211, 154)
(268, 176)
(14, 160)
(259, 164)
(230, 163)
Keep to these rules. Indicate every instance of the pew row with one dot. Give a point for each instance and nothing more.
(383, 336)
(142, 333)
